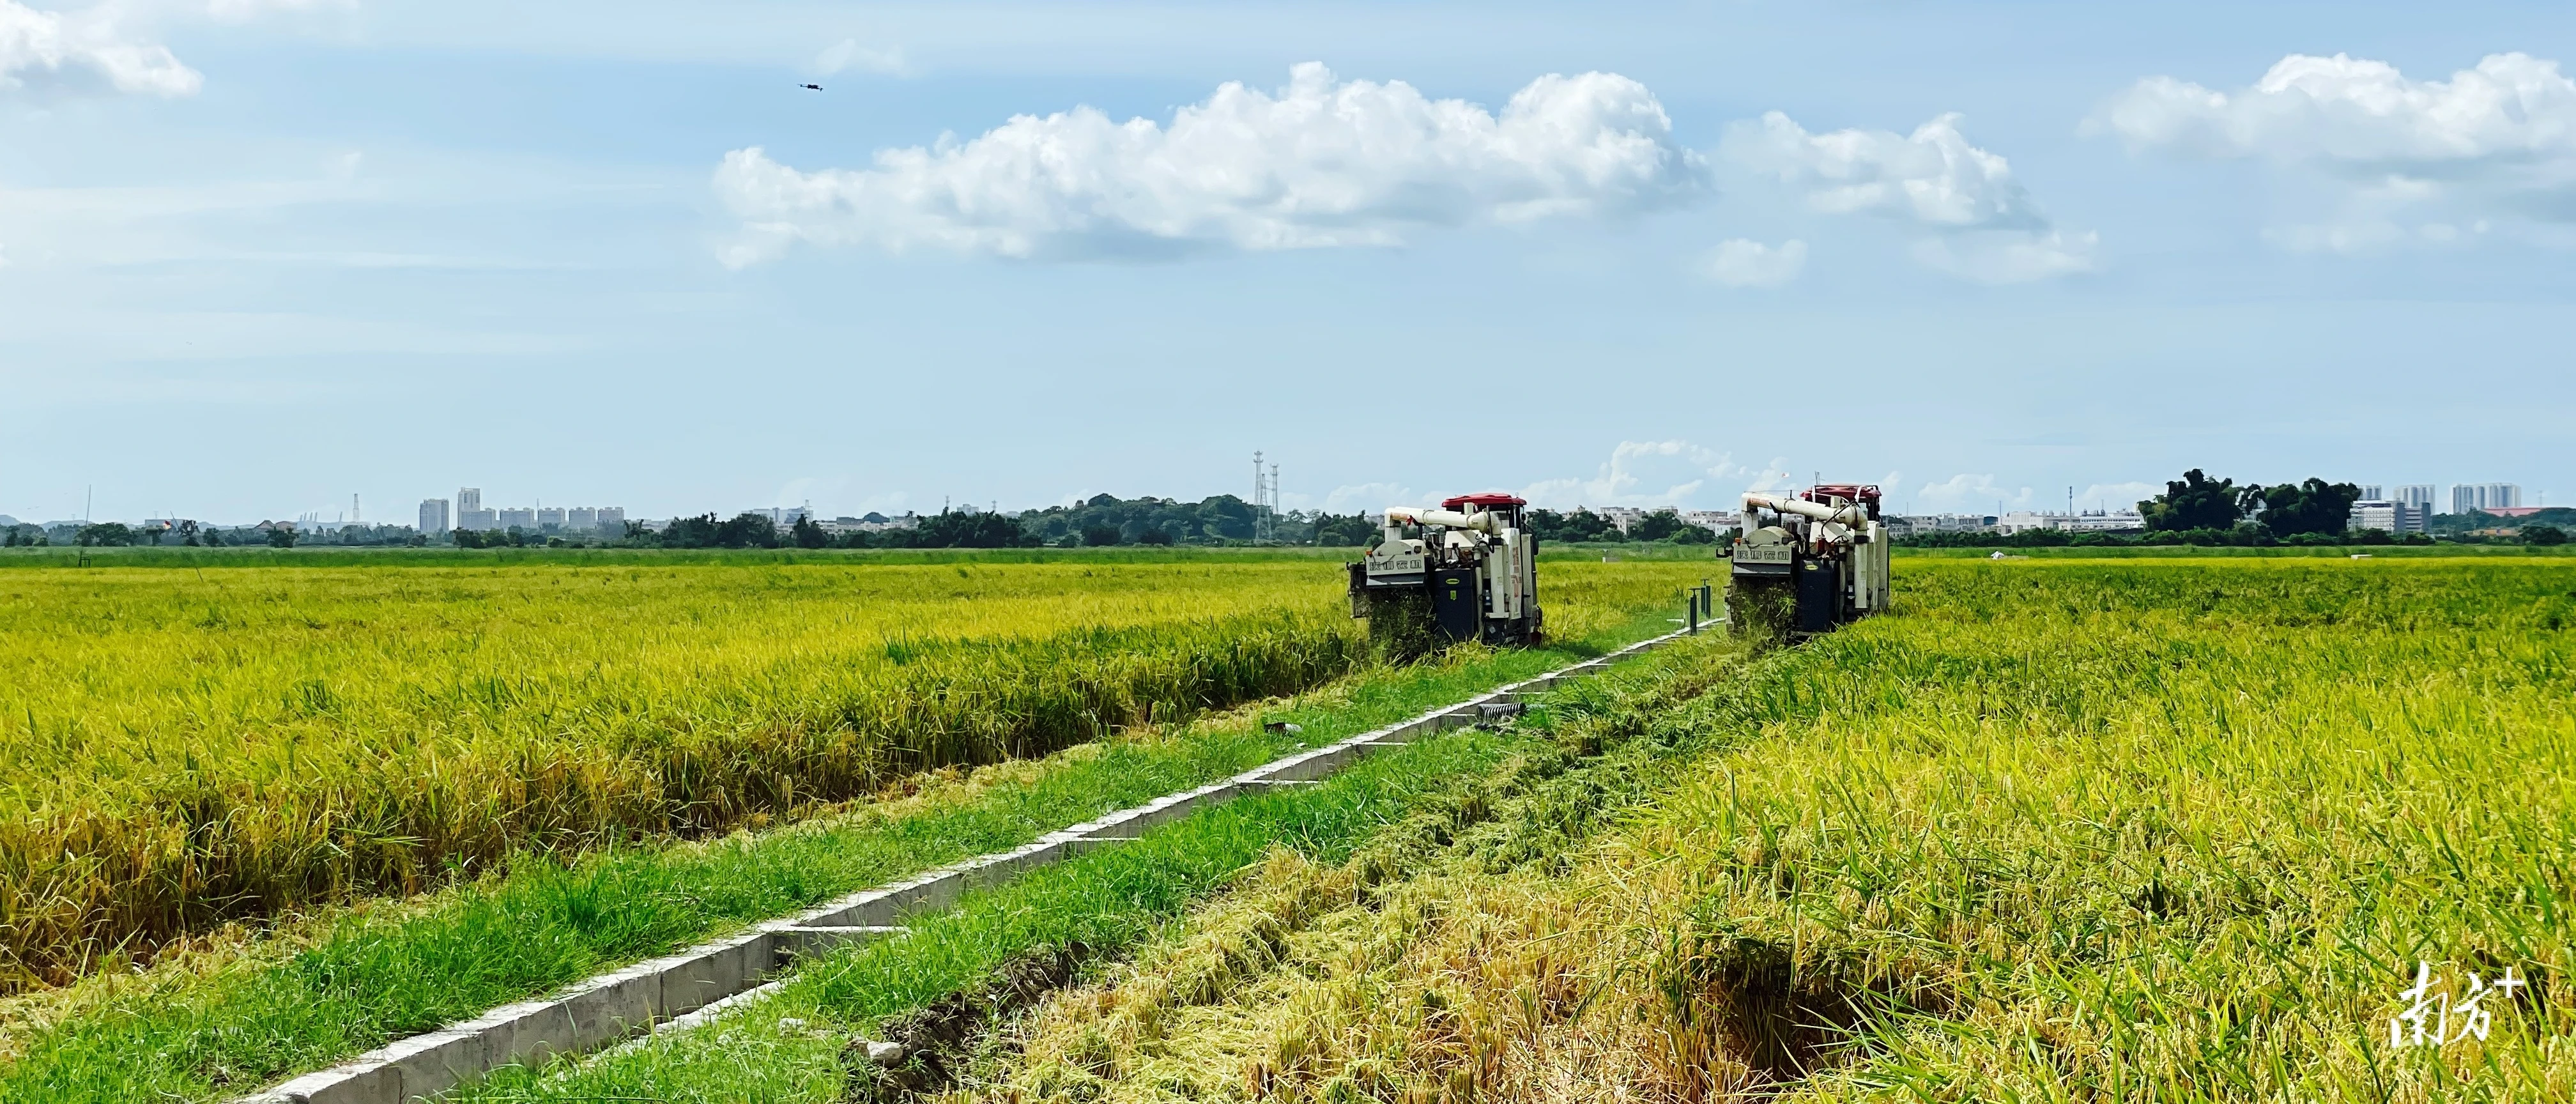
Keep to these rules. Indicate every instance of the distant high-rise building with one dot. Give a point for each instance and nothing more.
(470, 513)
(582, 517)
(2467, 497)
(2386, 516)
(550, 515)
(2370, 493)
(433, 515)
(2418, 495)
(612, 517)
(520, 517)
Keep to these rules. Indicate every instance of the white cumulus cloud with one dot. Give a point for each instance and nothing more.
(85, 47)
(1980, 222)
(2414, 160)
(1320, 162)
(1968, 493)
(1740, 263)
(1658, 474)
(2360, 112)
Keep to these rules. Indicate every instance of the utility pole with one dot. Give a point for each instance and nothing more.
(1260, 502)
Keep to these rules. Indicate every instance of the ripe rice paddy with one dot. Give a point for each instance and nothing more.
(2135, 831)
(185, 747)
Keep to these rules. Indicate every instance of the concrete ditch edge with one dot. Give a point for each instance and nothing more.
(609, 1007)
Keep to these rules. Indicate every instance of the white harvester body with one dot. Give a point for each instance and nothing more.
(1823, 549)
(1468, 570)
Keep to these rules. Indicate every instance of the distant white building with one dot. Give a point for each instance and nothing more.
(611, 517)
(582, 517)
(519, 517)
(2386, 516)
(470, 513)
(1915, 525)
(2089, 521)
(2471, 497)
(2103, 521)
(433, 515)
(1715, 521)
(1619, 516)
(550, 515)
(873, 523)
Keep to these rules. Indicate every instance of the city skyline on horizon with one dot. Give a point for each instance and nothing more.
(2030, 501)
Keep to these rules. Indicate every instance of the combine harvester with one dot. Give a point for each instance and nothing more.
(1807, 562)
(1465, 571)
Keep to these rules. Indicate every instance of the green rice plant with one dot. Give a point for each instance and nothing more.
(180, 749)
(2133, 830)
(233, 1015)
(789, 1048)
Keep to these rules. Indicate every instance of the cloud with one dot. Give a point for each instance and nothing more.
(2413, 160)
(1648, 473)
(2117, 496)
(73, 49)
(1368, 498)
(1980, 222)
(1322, 162)
(1967, 493)
(1740, 263)
(2354, 111)
(847, 55)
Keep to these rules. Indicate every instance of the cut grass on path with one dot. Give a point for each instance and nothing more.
(790, 1046)
(210, 1033)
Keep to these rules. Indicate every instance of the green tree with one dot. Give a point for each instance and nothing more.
(281, 536)
(104, 533)
(2543, 534)
(748, 530)
(2313, 506)
(1660, 525)
(809, 535)
(690, 532)
(2193, 502)
(1099, 535)
(955, 529)
(1581, 525)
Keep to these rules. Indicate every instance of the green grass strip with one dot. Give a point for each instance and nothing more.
(1110, 900)
(211, 1036)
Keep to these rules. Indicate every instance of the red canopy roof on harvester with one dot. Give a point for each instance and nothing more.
(1490, 498)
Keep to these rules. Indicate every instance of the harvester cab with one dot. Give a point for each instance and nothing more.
(1465, 571)
(1804, 563)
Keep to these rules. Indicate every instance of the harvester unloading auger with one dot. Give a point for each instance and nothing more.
(1465, 571)
(1807, 562)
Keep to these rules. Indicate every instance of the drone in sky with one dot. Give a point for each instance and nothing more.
(815, 87)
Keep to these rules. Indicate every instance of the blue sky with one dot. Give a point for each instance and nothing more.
(261, 255)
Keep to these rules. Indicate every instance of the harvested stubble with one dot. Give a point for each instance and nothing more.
(196, 746)
(2056, 831)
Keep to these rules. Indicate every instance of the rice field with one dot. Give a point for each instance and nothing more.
(183, 747)
(2056, 831)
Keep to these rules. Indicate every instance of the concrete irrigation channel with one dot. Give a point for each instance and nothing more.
(682, 988)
